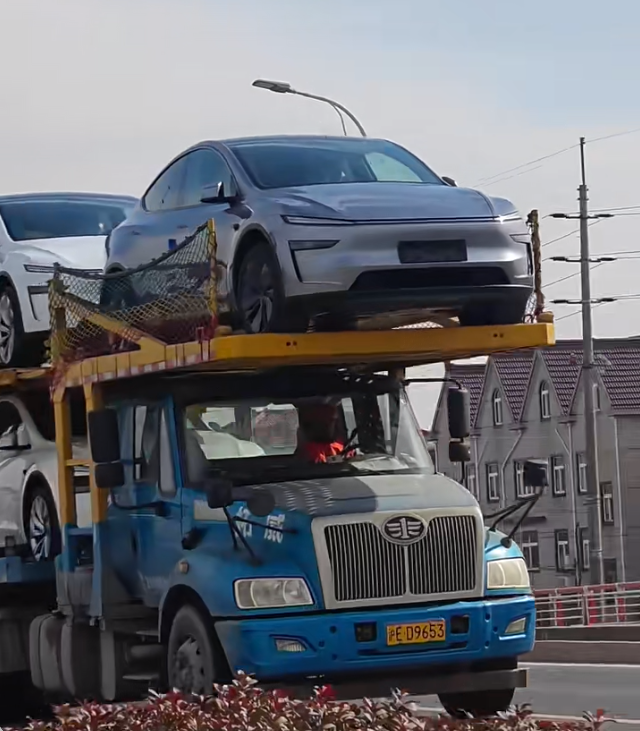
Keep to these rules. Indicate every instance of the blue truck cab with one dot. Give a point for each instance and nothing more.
(290, 525)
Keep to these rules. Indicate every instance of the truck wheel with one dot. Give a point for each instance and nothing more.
(191, 653)
(478, 704)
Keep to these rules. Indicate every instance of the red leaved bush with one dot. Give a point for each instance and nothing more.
(244, 707)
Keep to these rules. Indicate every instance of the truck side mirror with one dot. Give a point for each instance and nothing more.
(459, 411)
(109, 475)
(535, 473)
(219, 492)
(459, 452)
(104, 435)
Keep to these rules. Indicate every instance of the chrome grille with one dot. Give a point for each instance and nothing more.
(364, 565)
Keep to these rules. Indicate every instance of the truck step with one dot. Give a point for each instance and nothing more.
(148, 633)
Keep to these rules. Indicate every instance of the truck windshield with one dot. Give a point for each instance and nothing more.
(260, 441)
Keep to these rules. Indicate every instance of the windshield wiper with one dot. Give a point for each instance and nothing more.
(527, 504)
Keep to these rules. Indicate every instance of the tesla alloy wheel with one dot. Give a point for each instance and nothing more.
(8, 335)
(41, 522)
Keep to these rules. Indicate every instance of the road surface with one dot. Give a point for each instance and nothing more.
(554, 691)
(569, 690)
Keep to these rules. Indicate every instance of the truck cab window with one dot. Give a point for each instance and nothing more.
(146, 434)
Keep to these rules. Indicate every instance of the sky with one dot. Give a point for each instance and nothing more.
(101, 95)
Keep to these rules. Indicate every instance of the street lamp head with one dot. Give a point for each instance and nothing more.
(280, 87)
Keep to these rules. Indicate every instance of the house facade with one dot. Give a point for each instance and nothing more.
(529, 405)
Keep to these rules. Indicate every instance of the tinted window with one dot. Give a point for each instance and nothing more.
(52, 219)
(205, 168)
(164, 194)
(287, 164)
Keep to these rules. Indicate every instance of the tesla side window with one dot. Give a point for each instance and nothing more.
(205, 168)
(9, 418)
(164, 194)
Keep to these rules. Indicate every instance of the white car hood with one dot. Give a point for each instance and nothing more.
(78, 252)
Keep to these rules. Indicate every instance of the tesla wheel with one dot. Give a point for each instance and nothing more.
(191, 653)
(478, 704)
(260, 296)
(16, 348)
(42, 528)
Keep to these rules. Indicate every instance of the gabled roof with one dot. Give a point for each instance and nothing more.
(514, 372)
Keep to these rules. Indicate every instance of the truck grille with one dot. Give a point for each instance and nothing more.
(365, 565)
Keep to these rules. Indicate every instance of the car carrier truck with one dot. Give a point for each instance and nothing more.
(216, 547)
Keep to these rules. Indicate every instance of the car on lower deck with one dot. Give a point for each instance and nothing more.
(328, 231)
(38, 230)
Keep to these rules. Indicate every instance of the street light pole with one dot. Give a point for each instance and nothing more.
(588, 381)
(281, 87)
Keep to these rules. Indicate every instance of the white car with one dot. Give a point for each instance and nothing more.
(38, 230)
(29, 499)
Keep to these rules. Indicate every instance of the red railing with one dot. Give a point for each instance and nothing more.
(588, 605)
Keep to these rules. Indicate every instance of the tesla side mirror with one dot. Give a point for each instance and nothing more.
(216, 193)
(535, 473)
(459, 411)
(449, 181)
(14, 440)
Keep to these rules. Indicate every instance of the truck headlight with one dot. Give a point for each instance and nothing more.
(508, 573)
(272, 593)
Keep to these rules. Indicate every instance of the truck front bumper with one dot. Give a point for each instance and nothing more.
(348, 650)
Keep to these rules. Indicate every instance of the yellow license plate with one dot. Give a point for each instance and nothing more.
(417, 633)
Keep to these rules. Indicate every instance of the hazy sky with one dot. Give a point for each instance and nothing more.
(100, 94)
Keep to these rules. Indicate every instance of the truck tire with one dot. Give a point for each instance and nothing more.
(191, 652)
(478, 704)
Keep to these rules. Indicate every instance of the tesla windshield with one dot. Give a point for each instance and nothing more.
(284, 164)
(28, 220)
(261, 440)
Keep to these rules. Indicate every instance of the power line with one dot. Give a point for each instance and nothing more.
(571, 233)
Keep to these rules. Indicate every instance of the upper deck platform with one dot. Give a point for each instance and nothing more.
(367, 348)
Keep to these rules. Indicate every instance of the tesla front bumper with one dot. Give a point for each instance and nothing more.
(439, 266)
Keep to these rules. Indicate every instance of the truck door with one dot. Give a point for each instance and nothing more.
(158, 530)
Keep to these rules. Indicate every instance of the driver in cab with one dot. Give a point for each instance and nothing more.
(318, 433)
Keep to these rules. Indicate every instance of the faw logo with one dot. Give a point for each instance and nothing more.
(404, 529)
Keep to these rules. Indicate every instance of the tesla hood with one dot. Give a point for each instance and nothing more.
(78, 252)
(385, 202)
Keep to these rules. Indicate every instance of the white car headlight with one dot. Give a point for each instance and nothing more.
(272, 593)
(311, 221)
(39, 269)
(508, 573)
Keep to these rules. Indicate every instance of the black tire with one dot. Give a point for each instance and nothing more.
(260, 297)
(16, 348)
(492, 313)
(479, 704)
(41, 524)
(191, 653)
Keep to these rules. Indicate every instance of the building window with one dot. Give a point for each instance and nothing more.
(563, 556)
(596, 397)
(493, 483)
(584, 548)
(433, 453)
(581, 473)
(497, 408)
(545, 401)
(606, 497)
(472, 480)
(522, 490)
(558, 476)
(531, 549)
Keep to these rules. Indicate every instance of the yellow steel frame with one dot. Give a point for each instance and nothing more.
(255, 352)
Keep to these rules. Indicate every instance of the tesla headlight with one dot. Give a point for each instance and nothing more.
(508, 573)
(272, 593)
(39, 269)
(310, 221)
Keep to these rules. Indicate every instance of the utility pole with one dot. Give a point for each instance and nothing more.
(588, 366)
(588, 382)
